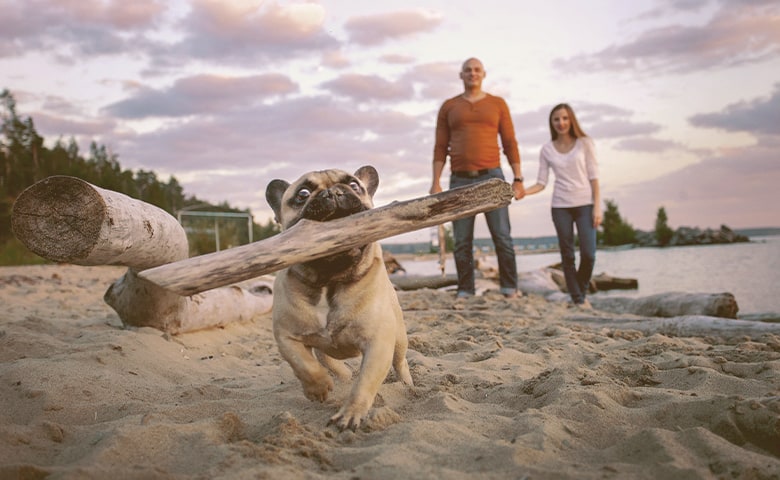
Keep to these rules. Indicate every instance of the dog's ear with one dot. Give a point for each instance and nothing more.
(273, 195)
(370, 178)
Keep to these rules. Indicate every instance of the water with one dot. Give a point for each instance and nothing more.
(750, 271)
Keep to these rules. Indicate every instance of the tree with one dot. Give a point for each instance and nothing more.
(616, 230)
(663, 234)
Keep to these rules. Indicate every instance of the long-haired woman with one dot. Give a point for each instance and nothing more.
(576, 200)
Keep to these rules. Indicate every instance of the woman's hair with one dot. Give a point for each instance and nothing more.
(574, 126)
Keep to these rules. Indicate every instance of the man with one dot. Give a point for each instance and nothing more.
(467, 129)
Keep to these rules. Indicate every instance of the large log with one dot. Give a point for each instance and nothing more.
(309, 240)
(672, 304)
(66, 219)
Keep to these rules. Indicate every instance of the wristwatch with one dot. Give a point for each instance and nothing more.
(519, 179)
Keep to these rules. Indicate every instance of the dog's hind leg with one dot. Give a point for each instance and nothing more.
(337, 367)
(400, 365)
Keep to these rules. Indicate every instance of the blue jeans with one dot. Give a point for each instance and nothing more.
(463, 233)
(564, 219)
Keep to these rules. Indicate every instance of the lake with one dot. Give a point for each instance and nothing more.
(750, 271)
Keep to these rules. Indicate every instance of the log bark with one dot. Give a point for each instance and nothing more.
(671, 304)
(309, 240)
(683, 326)
(415, 282)
(603, 282)
(141, 303)
(66, 219)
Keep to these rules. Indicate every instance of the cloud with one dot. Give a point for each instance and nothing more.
(74, 29)
(249, 32)
(377, 29)
(647, 144)
(601, 120)
(739, 33)
(363, 88)
(697, 192)
(760, 116)
(202, 94)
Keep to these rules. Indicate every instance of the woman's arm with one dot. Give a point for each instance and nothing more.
(597, 217)
(536, 188)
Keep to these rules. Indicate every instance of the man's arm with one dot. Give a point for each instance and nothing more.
(506, 131)
(440, 149)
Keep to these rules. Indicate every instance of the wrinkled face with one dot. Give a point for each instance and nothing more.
(322, 196)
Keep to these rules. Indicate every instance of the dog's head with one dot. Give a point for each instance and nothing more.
(323, 195)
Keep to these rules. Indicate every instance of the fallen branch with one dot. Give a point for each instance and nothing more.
(309, 240)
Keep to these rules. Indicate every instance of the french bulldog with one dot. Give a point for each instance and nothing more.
(339, 306)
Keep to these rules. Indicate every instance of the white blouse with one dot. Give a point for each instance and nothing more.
(573, 172)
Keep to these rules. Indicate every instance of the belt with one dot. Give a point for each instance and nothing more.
(471, 173)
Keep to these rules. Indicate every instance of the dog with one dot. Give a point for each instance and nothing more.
(340, 306)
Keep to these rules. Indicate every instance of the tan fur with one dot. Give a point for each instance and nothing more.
(322, 316)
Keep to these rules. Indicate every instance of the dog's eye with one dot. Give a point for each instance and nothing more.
(302, 195)
(354, 185)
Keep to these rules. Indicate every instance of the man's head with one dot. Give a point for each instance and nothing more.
(472, 73)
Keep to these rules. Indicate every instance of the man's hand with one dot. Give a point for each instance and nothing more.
(519, 190)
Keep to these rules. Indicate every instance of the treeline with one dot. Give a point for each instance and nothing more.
(616, 231)
(25, 160)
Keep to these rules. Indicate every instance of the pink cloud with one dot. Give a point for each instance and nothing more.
(376, 29)
(749, 33)
(370, 87)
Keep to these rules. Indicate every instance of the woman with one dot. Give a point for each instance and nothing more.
(576, 198)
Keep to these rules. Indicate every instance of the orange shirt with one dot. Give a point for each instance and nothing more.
(469, 133)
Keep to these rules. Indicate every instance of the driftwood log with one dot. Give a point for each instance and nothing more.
(416, 282)
(682, 326)
(672, 304)
(309, 240)
(66, 219)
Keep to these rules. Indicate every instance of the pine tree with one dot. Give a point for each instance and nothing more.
(663, 234)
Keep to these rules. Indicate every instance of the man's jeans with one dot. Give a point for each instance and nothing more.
(564, 219)
(500, 232)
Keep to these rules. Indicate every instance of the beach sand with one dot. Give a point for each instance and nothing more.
(503, 389)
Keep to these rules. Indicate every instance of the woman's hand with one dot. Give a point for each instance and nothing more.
(596, 216)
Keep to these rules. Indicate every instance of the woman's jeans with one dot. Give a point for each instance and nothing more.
(564, 219)
(500, 232)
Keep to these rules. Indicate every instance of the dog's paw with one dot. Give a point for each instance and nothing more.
(318, 391)
(349, 417)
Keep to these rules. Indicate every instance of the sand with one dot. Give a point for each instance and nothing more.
(503, 389)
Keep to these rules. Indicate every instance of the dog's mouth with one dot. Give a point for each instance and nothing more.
(336, 202)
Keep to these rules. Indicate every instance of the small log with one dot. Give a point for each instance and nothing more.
(604, 282)
(308, 240)
(66, 219)
(671, 304)
(416, 282)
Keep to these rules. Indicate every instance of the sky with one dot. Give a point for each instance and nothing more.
(681, 97)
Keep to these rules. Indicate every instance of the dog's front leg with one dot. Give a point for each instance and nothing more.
(315, 379)
(377, 359)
